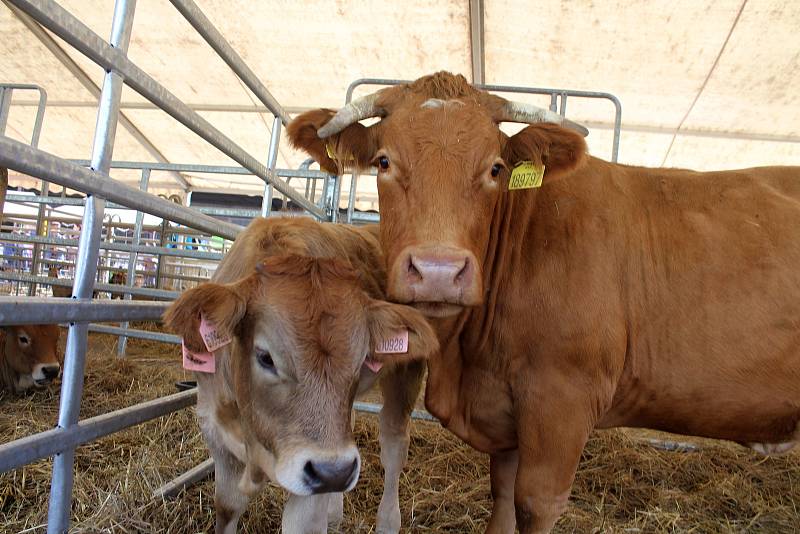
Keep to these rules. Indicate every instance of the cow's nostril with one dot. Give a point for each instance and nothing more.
(311, 474)
(414, 273)
(50, 372)
(462, 273)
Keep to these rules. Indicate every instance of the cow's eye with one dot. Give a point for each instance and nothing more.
(497, 168)
(264, 359)
(23, 340)
(383, 163)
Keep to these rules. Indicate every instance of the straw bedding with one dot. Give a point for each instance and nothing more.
(623, 485)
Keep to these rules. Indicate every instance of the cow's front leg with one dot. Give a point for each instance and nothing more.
(400, 387)
(553, 425)
(305, 514)
(229, 501)
(503, 472)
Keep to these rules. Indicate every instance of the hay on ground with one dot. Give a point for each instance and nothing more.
(623, 484)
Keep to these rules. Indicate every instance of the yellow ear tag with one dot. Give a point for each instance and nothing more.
(526, 175)
(331, 155)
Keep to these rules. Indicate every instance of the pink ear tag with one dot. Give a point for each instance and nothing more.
(198, 361)
(395, 344)
(213, 338)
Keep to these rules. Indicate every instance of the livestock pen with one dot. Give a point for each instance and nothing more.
(127, 455)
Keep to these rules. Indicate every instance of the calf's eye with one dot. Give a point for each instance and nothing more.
(24, 340)
(264, 359)
(496, 169)
(383, 163)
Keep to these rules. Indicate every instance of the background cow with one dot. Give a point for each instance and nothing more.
(609, 296)
(303, 304)
(28, 356)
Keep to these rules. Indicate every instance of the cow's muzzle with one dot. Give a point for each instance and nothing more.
(43, 374)
(438, 280)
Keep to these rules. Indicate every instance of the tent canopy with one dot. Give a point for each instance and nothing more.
(703, 84)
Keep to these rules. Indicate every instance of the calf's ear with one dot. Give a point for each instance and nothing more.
(219, 304)
(353, 147)
(390, 321)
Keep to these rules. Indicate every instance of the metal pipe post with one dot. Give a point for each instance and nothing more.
(351, 201)
(122, 342)
(45, 187)
(5, 105)
(272, 160)
(85, 272)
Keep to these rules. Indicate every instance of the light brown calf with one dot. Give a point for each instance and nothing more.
(606, 295)
(28, 356)
(303, 305)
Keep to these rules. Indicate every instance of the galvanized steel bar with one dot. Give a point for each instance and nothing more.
(272, 160)
(134, 333)
(35, 162)
(65, 25)
(369, 407)
(206, 29)
(39, 310)
(123, 247)
(190, 477)
(5, 106)
(146, 292)
(210, 169)
(85, 273)
(59, 440)
(130, 278)
(6, 92)
(351, 200)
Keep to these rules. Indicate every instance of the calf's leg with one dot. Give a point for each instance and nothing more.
(305, 514)
(400, 387)
(502, 472)
(229, 501)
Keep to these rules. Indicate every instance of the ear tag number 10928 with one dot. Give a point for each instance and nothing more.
(526, 175)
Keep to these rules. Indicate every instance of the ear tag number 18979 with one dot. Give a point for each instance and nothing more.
(526, 175)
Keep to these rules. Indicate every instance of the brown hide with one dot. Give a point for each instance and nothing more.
(611, 296)
(25, 352)
(302, 303)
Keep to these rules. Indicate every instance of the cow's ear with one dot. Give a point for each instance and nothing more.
(353, 147)
(559, 149)
(222, 305)
(389, 321)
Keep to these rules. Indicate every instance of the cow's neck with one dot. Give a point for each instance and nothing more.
(470, 339)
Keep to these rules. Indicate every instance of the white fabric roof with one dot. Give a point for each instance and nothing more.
(703, 84)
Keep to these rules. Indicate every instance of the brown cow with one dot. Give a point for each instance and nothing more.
(610, 296)
(28, 356)
(303, 303)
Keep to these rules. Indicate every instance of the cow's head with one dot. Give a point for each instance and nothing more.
(30, 355)
(443, 164)
(304, 334)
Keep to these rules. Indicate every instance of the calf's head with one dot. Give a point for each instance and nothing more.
(303, 334)
(31, 356)
(443, 165)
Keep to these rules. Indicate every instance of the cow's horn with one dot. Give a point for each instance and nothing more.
(530, 114)
(361, 108)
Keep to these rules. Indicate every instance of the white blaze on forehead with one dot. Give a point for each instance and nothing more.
(436, 103)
